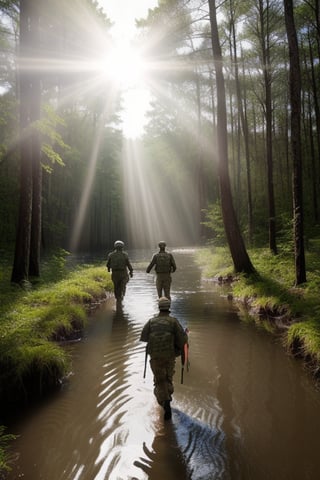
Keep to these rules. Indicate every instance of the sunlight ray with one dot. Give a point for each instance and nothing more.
(156, 208)
(79, 221)
(156, 204)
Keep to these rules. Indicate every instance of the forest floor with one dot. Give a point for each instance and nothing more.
(270, 299)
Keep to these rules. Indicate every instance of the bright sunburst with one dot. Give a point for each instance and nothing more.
(125, 66)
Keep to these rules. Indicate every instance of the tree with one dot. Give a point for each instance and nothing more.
(241, 260)
(266, 65)
(295, 100)
(29, 101)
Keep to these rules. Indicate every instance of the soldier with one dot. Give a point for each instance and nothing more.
(118, 261)
(164, 264)
(165, 339)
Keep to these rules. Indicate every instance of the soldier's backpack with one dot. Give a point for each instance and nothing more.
(163, 262)
(118, 261)
(161, 338)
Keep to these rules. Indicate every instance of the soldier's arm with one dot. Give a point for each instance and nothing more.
(144, 337)
(129, 265)
(180, 335)
(173, 263)
(152, 263)
(108, 263)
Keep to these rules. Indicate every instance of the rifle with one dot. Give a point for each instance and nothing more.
(145, 362)
(185, 356)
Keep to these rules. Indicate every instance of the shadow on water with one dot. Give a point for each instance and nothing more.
(202, 447)
(244, 412)
(191, 449)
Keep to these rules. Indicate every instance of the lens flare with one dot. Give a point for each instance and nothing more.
(124, 66)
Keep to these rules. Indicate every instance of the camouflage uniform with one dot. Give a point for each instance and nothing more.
(166, 338)
(164, 264)
(118, 261)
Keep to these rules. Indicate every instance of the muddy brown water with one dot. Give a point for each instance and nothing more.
(245, 411)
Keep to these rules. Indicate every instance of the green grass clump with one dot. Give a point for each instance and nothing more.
(5, 440)
(304, 339)
(31, 320)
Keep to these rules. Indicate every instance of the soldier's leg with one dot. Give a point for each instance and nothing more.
(116, 278)
(159, 371)
(167, 286)
(159, 285)
(169, 375)
(115, 284)
(123, 284)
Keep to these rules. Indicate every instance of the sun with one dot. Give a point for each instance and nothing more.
(125, 66)
(125, 69)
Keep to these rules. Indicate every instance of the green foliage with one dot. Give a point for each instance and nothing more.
(5, 441)
(285, 232)
(214, 223)
(53, 266)
(215, 261)
(50, 137)
(304, 338)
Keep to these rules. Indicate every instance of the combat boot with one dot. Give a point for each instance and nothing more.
(167, 410)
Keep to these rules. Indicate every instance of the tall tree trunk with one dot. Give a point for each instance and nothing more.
(27, 252)
(35, 241)
(244, 123)
(268, 115)
(202, 197)
(295, 100)
(36, 217)
(315, 94)
(241, 260)
(22, 248)
(243, 120)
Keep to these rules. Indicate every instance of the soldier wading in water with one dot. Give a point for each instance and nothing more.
(164, 264)
(165, 339)
(118, 262)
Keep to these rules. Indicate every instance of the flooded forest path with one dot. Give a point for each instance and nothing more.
(245, 410)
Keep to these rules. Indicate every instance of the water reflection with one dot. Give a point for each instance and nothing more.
(202, 447)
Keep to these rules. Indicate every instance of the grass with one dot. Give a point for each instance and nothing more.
(272, 298)
(5, 440)
(31, 320)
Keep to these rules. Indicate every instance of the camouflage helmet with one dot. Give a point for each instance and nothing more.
(162, 243)
(118, 244)
(164, 303)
